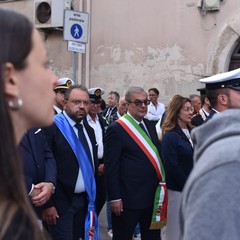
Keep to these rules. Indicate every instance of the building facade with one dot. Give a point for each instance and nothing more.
(169, 45)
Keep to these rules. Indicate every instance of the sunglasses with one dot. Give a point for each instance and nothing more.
(139, 103)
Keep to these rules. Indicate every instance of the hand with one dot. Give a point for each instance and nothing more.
(44, 195)
(101, 169)
(50, 215)
(117, 207)
(35, 192)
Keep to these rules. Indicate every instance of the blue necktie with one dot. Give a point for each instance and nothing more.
(84, 142)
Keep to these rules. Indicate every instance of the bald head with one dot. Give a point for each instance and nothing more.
(122, 107)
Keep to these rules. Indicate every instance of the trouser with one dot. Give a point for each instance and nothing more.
(70, 225)
(124, 225)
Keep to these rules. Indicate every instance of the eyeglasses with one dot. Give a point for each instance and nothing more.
(188, 109)
(139, 103)
(152, 95)
(80, 102)
(95, 103)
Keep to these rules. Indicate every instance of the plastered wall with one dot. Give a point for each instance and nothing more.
(165, 44)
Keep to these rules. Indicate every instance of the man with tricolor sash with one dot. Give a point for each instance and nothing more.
(135, 176)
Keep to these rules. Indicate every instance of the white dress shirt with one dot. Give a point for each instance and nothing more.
(98, 134)
(80, 187)
(57, 109)
(155, 113)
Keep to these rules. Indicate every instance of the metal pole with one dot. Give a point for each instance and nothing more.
(74, 67)
(68, 7)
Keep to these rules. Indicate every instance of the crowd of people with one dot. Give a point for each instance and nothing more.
(164, 172)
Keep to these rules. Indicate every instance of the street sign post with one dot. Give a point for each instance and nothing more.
(75, 26)
(76, 47)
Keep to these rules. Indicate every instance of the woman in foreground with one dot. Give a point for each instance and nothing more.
(26, 100)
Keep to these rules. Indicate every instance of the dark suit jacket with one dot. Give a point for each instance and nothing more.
(212, 112)
(100, 180)
(114, 110)
(67, 166)
(38, 162)
(113, 118)
(177, 156)
(104, 125)
(130, 174)
(197, 120)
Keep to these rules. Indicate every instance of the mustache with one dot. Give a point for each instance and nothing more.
(81, 111)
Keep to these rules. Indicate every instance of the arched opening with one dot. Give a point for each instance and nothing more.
(225, 54)
(235, 59)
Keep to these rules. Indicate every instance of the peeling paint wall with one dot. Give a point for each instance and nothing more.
(163, 45)
(169, 45)
(167, 69)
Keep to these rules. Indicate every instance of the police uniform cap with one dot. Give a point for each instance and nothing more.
(64, 83)
(202, 91)
(95, 94)
(229, 79)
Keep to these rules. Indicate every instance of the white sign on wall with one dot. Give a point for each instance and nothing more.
(76, 47)
(75, 26)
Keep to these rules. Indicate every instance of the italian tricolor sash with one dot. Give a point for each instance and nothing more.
(159, 216)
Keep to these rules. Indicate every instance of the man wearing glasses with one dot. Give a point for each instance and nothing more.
(133, 169)
(74, 147)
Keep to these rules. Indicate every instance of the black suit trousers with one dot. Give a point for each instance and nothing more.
(124, 225)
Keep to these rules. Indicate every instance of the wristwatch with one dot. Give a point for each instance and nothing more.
(53, 188)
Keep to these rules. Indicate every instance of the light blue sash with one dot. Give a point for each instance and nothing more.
(91, 221)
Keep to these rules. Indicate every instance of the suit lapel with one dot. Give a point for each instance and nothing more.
(33, 143)
(92, 138)
(25, 143)
(150, 130)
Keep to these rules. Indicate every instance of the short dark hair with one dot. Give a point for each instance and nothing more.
(212, 95)
(69, 90)
(116, 94)
(103, 104)
(154, 90)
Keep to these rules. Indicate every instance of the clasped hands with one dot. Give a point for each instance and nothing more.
(41, 193)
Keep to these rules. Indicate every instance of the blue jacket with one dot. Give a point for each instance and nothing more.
(38, 162)
(177, 157)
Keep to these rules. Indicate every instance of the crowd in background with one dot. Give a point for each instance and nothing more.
(164, 172)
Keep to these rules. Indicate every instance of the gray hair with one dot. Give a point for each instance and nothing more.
(132, 90)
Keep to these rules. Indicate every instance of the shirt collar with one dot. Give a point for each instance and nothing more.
(90, 119)
(135, 119)
(57, 109)
(72, 122)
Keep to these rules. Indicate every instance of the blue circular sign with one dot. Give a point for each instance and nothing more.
(76, 31)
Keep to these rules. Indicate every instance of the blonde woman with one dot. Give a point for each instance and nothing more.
(177, 157)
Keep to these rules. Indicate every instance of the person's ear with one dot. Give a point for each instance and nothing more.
(206, 101)
(10, 81)
(223, 99)
(64, 103)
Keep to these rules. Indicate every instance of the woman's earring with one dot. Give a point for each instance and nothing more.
(15, 105)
